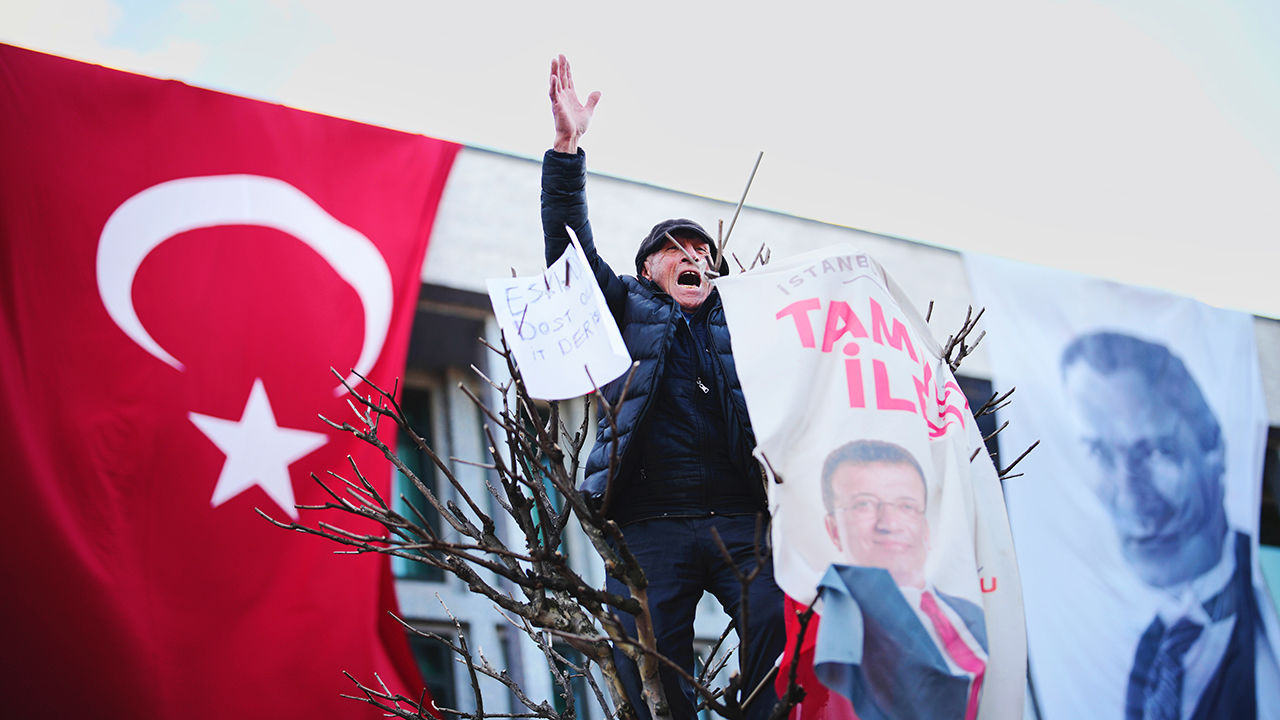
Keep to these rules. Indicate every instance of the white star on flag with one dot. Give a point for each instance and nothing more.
(259, 452)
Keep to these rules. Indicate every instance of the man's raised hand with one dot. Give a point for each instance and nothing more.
(572, 117)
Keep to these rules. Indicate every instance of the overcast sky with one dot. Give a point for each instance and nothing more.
(1133, 139)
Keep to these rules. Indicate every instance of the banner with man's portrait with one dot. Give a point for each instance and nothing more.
(887, 512)
(1137, 520)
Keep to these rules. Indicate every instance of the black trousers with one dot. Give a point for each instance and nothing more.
(681, 560)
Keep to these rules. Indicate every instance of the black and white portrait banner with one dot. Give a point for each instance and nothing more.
(878, 503)
(1136, 522)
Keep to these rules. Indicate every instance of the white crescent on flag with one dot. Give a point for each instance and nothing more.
(154, 215)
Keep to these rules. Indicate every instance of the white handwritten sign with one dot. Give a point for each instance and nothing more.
(559, 328)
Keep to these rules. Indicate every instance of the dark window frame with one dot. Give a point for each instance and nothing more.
(435, 661)
(417, 403)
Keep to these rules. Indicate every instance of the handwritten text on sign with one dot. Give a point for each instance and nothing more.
(559, 328)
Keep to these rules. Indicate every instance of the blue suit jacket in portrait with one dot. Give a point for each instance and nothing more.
(1231, 691)
(873, 649)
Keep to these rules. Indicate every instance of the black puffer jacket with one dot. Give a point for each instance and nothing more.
(648, 319)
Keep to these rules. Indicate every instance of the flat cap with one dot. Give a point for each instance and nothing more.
(677, 227)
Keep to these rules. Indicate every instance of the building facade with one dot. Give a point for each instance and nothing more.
(488, 226)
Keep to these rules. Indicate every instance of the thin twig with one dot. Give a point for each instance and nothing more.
(741, 202)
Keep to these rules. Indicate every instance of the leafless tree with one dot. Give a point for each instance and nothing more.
(958, 347)
(534, 460)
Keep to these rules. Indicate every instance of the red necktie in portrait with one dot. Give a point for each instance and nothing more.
(957, 649)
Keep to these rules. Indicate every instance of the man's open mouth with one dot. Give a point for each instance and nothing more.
(689, 278)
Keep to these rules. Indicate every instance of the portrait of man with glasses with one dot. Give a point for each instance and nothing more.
(889, 640)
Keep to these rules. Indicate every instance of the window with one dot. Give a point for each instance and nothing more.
(541, 472)
(1269, 522)
(511, 642)
(702, 657)
(577, 682)
(416, 403)
(978, 392)
(436, 664)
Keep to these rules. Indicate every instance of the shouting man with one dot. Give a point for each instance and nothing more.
(681, 438)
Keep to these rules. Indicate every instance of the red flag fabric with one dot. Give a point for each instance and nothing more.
(179, 269)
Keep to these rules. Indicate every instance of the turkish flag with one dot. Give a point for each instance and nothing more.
(179, 269)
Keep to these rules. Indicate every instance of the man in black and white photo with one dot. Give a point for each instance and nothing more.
(1153, 453)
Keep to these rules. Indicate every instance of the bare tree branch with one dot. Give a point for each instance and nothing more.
(532, 474)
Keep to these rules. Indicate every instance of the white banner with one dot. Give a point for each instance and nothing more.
(871, 437)
(1136, 522)
(559, 328)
